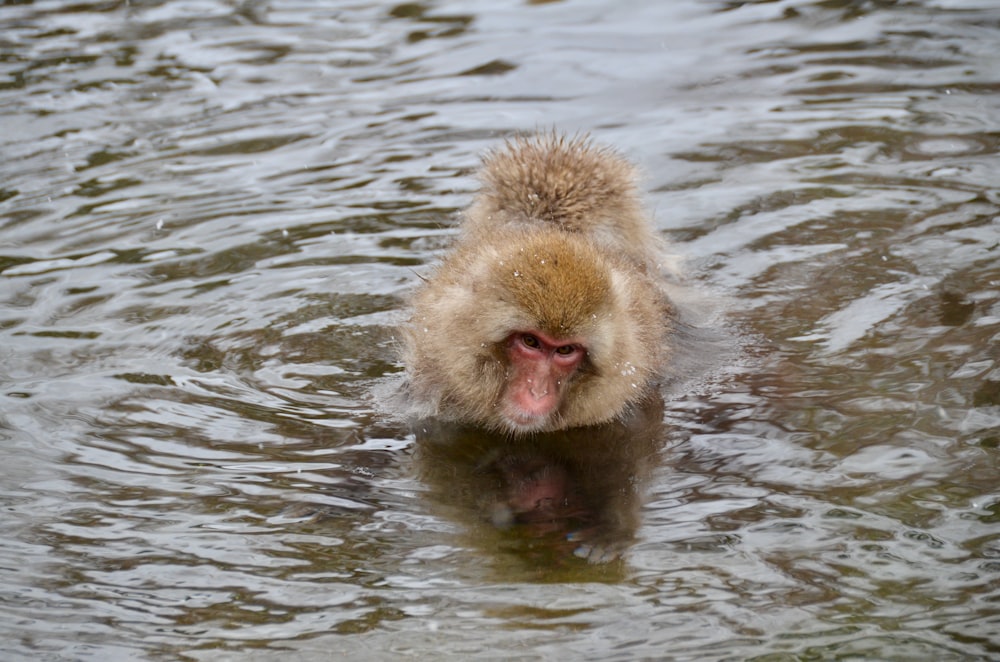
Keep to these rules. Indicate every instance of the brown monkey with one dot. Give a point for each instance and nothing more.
(548, 313)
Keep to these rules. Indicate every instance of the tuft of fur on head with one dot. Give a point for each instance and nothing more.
(559, 282)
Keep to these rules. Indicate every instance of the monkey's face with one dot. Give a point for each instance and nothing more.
(540, 369)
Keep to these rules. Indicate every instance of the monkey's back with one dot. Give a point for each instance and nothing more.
(568, 183)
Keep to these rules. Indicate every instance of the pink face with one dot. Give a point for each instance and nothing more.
(540, 368)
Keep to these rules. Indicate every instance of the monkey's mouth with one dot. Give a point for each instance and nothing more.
(524, 422)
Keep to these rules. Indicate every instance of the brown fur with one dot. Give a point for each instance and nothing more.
(555, 242)
(569, 182)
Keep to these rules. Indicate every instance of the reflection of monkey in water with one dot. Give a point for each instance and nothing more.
(536, 493)
(573, 492)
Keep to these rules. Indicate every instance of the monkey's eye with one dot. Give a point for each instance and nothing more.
(531, 341)
(566, 350)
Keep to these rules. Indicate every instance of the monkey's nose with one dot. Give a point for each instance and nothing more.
(538, 391)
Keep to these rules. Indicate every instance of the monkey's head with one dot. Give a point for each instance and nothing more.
(552, 293)
(534, 333)
(558, 321)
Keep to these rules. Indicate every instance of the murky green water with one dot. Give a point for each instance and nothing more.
(211, 213)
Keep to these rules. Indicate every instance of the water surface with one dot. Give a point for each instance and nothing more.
(211, 214)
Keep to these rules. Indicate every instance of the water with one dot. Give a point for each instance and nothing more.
(212, 213)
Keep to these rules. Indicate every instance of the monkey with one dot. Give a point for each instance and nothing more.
(549, 311)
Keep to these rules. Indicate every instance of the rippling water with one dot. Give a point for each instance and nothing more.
(212, 212)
